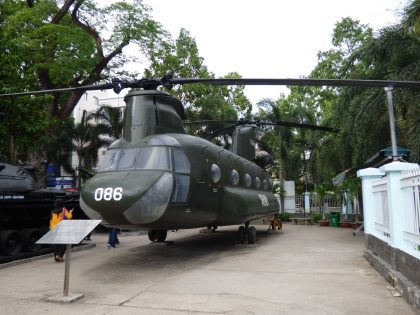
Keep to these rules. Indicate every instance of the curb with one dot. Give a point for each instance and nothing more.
(49, 255)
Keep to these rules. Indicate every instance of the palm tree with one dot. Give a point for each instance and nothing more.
(394, 54)
(109, 120)
(87, 140)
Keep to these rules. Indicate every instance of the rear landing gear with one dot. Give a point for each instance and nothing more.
(247, 234)
(157, 235)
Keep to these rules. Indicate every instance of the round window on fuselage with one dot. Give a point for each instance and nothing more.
(247, 180)
(234, 177)
(215, 173)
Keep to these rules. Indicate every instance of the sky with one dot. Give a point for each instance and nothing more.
(267, 38)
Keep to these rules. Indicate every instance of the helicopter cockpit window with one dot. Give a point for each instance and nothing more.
(154, 158)
(111, 160)
(182, 165)
(128, 159)
(182, 184)
(182, 181)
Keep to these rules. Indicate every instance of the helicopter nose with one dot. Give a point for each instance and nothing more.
(127, 198)
(152, 204)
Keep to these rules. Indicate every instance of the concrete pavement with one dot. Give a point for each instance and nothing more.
(305, 270)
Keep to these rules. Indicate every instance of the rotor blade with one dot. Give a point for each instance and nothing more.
(204, 122)
(297, 125)
(167, 81)
(52, 91)
(220, 132)
(300, 82)
(257, 122)
(116, 84)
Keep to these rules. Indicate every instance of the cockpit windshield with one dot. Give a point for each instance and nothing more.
(111, 160)
(150, 158)
(154, 158)
(128, 159)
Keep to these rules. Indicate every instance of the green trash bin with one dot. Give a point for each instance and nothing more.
(335, 219)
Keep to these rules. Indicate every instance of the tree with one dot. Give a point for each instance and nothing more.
(23, 119)
(108, 120)
(394, 54)
(68, 46)
(334, 152)
(53, 44)
(316, 105)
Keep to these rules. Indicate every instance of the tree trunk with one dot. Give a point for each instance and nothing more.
(38, 159)
(12, 150)
(79, 175)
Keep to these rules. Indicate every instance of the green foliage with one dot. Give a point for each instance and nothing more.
(284, 217)
(352, 184)
(23, 126)
(360, 113)
(53, 44)
(282, 142)
(316, 216)
(108, 120)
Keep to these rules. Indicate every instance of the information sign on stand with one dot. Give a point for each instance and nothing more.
(68, 232)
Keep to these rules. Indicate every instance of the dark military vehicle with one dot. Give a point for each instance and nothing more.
(25, 211)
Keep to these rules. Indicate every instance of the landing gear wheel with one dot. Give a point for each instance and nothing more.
(152, 234)
(161, 235)
(241, 235)
(10, 242)
(30, 236)
(252, 235)
(157, 235)
(247, 234)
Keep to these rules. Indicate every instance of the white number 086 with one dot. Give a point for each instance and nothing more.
(108, 194)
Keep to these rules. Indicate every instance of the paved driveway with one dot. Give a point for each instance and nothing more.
(305, 270)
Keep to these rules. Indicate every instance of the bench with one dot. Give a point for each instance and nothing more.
(306, 221)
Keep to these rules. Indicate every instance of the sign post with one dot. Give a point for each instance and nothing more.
(67, 271)
(68, 232)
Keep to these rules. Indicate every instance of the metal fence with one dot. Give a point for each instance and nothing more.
(380, 193)
(334, 203)
(410, 185)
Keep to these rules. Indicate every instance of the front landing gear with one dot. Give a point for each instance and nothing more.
(157, 235)
(247, 234)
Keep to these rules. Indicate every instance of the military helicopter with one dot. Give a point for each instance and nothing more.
(160, 178)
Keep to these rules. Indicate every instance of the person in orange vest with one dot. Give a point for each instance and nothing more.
(57, 214)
